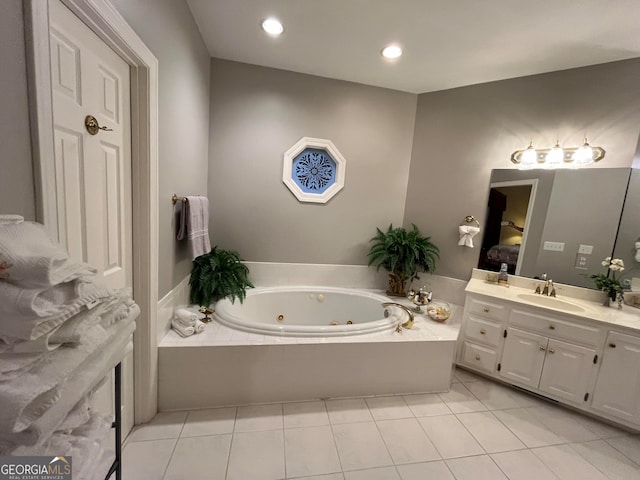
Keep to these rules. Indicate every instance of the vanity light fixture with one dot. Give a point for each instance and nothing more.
(272, 26)
(557, 156)
(391, 51)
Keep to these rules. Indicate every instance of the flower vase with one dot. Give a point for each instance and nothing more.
(609, 297)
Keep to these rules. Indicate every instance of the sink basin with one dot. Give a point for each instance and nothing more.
(551, 302)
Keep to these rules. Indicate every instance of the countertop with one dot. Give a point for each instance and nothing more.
(627, 317)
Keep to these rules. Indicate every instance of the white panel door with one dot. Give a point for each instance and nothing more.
(523, 357)
(617, 389)
(93, 172)
(567, 371)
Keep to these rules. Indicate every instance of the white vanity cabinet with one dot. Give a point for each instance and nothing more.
(553, 354)
(483, 334)
(617, 391)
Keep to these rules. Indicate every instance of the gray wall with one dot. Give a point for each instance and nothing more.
(168, 29)
(16, 174)
(584, 209)
(464, 133)
(257, 113)
(629, 232)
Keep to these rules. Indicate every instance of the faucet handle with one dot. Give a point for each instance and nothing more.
(537, 289)
(553, 292)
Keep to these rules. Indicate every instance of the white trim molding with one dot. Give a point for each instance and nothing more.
(288, 174)
(103, 19)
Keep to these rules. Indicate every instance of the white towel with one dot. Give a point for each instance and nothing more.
(185, 317)
(27, 398)
(199, 326)
(196, 215)
(32, 259)
(11, 219)
(78, 384)
(181, 330)
(28, 314)
(466, 235)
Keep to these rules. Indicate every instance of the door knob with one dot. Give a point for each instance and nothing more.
(93, 127)
(551, 350)
(612, 345)
(552, 327)
(542, 349)
(482, 332)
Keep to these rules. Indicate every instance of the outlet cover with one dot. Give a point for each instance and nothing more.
(582, 261)
(554, 246)
(586, 249)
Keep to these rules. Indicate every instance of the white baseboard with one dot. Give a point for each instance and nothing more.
(166, 306)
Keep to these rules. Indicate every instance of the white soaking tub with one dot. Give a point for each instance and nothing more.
(300, 311)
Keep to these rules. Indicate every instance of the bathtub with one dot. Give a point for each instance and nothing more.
(246, 356)
(309, 312)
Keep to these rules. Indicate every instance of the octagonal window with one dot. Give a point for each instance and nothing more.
(314, 170)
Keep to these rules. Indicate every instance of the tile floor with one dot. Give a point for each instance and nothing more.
(477, 431)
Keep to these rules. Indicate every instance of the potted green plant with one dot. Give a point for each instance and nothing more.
(402, 253)
(218, 274)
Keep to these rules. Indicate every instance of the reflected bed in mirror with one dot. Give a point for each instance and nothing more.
(561, 213)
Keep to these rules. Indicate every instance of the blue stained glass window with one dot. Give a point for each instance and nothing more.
(314, 170)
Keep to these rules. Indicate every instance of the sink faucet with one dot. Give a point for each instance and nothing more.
(541, 277)
(549, 289)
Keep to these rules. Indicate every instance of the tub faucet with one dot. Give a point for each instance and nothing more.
(409, 323)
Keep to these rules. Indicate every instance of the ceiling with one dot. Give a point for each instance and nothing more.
(447, 43)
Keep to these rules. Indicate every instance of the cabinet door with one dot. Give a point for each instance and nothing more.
(523, 357)
(617, 391)
(567, 371)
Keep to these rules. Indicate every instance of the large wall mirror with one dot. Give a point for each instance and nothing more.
(560, 222)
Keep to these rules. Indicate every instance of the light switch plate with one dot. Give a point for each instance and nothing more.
(586, 249)
(554, 246)
(582, 261)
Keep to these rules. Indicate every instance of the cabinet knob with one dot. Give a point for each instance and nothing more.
(477, 357)
(482, 331)
(612, 345)
(551, 350)
(542, 349)
(485, 309)
(552, 327)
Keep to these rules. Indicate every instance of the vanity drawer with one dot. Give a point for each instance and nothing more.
(482, 330)
(479, 357)
(555, 327)
(486, 309)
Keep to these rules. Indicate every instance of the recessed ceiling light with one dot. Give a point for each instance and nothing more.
(392, 51)
(272, 26)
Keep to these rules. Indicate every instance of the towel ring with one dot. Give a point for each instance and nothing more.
(469, 219)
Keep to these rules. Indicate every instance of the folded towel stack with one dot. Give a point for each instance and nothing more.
(185, 323)
(61, 332)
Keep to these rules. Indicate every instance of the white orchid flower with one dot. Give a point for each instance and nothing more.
(617, 261)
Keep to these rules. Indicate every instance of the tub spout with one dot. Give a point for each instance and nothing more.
(409, 323)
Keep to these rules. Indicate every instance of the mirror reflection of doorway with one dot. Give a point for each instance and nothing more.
(508, 213)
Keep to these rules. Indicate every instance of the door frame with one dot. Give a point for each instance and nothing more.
(527, 222)
(105, 21)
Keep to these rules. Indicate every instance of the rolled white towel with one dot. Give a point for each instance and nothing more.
(11, 219)
(181, 330)
(186, 317)
(199, 326)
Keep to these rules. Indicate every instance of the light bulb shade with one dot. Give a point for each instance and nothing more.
(584, 155)
(529, 158)
(555, 156)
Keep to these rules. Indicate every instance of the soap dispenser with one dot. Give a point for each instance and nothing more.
(503, 276)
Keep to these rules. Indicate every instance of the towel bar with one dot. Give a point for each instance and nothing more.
(175, 199)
